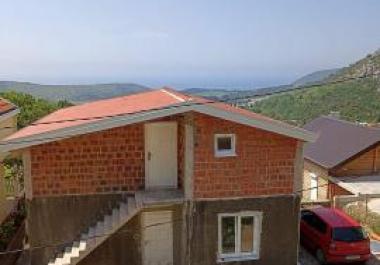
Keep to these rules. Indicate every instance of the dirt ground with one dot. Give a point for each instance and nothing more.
(305, 258)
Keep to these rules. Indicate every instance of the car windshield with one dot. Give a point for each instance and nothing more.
(348, 234)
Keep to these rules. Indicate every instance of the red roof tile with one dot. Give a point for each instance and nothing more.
(131, 104)
(6, 106)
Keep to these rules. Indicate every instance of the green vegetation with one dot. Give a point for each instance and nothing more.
(365, 217)
(11, 224)
(356, 100)
(31, 108)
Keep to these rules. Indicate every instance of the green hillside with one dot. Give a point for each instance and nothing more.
(72, 93)
(357, 100)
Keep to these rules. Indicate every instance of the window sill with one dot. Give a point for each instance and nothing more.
(237, 258)
(225, 155)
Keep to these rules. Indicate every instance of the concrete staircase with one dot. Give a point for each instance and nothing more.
(97, 234)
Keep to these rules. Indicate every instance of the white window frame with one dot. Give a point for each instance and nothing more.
(238, 255)
(313, 188)
(225, 153)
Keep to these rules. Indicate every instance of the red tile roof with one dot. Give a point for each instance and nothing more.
(131, 104)
(6, 106)
(338, 140)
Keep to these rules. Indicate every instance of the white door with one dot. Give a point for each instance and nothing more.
(161, 155)
(157, 238)
(313, 187)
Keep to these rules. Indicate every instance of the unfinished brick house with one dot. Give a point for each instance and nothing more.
(344, 160)
(161, 178)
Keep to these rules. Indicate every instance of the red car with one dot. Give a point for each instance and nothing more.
(333, 236)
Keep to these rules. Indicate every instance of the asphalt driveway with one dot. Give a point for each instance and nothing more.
(305, 258)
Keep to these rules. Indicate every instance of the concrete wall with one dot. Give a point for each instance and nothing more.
(322, 174)
(195, 229)
(279, 237)
(56, 220)
(124, 247)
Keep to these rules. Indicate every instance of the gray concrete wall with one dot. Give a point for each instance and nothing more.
(57, 220)
(195, 226)
(124, 247)
(279, 238)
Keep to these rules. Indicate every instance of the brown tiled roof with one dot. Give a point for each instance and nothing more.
(6, 106)
(338, 140)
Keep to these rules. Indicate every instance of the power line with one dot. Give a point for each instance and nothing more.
(309, 86)
(123, 231)
(189, 103)
(163, 108)
(62, 244)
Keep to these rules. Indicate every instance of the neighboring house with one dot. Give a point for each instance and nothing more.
(8, 125)
(344, 160)
(161, 178)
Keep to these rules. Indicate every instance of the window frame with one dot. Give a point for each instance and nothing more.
(314, 179)
(238, 254)
(227, 152)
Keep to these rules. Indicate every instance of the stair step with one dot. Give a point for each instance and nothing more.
(97, 233)
(131, 205)
(75, 249)
(123, 210)
(99, 228)
(91, 237)
(115, 217)
(108, 224)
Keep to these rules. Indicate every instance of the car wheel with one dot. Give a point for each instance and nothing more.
(320, 257)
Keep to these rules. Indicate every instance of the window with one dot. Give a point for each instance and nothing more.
(348, 234)
(224, 145)
(313, 187)
(314, 221)
(239, 236)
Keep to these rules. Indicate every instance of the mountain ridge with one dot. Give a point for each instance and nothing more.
(72, 93)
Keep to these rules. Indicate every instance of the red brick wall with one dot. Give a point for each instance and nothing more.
(112, 160)
(264, 163)
(108, 161)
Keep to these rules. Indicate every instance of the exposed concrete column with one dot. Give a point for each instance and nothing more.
(26, 160)
(298, 182)
(2, 190)
(189, 157)
(188, 210)
(298, 167)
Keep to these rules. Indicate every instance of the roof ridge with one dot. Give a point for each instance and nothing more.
(177, 97)
(355, 124)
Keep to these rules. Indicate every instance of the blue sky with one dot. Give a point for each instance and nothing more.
(198, 43)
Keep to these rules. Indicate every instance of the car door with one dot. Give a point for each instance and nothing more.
(318, 231)
(315, 230)
(306, 228)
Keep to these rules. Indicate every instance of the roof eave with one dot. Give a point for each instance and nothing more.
(9, 114)
(109, 123)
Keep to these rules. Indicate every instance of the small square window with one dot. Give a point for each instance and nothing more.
(239, 236)
(224, 145)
